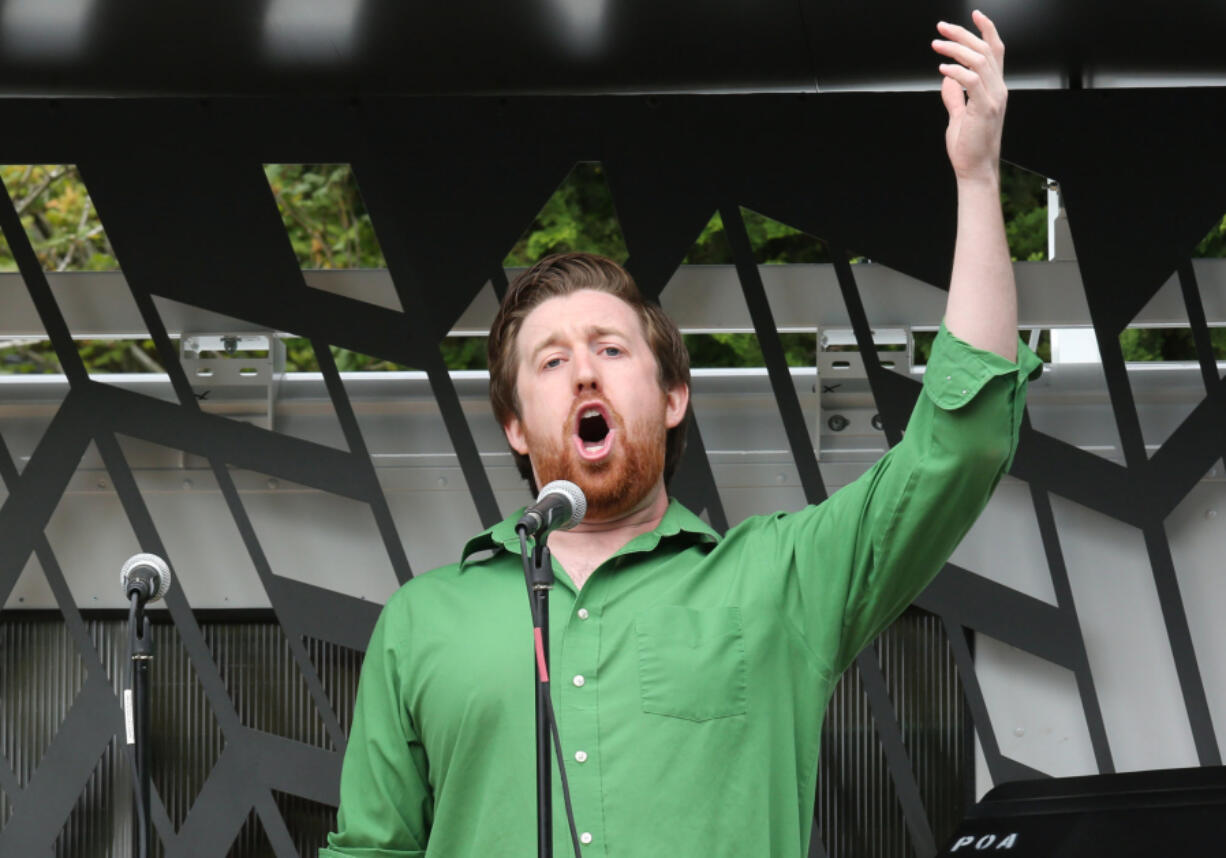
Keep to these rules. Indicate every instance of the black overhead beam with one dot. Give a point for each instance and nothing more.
(367, 47)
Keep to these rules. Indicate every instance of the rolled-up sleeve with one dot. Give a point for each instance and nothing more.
(858, 559)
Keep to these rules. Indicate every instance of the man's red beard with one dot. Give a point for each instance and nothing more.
(616, 484)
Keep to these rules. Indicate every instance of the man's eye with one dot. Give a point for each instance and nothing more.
(552, 362)
(612, 351)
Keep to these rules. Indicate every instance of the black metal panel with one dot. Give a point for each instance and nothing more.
(838, 168)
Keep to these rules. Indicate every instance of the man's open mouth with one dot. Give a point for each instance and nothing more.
(593, 434)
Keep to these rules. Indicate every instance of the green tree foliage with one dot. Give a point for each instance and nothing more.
(324, 216)
(58, 217)
(1023, 198)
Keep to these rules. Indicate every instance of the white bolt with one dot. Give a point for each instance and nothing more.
(1211, 514)
(1019, 731)
(187, 484)
(273, 483)
(442, 482)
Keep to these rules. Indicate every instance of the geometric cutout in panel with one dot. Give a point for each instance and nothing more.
(1163, 371)
(187, 739)
(776, 243)
(212, 567)
(63, 227)
(1024, 204)
(1197, 535)
(91, 537)
(244, 372)
(1035, 709)
(771, 242)
(1213, 245)
(338, 668)
(416, 464)
(1004, 543)
(309, 822)
(711, 246)
(578, 216)
(100, 821)
(321, 539)
(59, 217)
(32, 384)
(264, 682)
(325, 217)
(748, 447)
(31, 592)
(1126, 639)
(41, 673)
(1070, 401)
(251, 840)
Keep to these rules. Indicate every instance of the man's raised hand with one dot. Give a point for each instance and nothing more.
(974, 94)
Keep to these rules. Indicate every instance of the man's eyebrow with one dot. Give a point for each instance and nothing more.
(592, 332)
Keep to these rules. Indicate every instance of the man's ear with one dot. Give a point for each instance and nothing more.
(675, 403)
(514, 431)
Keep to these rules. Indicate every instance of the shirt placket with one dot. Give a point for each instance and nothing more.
(577, 683)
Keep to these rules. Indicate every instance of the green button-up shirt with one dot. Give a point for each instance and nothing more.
(689, 674)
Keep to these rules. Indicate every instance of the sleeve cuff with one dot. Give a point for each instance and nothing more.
(957, 371)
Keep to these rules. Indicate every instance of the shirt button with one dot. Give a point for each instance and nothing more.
(583, 615)
(963, 391)
(585, 838)
(579, 680)
(581, 756)
(949, 378)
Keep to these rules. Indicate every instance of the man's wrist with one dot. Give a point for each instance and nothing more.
(984, 178)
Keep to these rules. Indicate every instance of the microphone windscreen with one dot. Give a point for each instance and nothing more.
(578, 503)
(156, 568)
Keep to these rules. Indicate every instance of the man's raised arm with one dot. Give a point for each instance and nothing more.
(982, 308)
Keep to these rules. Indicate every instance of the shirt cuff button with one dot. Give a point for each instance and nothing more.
(585, 838)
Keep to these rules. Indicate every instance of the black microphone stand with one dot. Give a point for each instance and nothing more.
(540, 582)
(140, 645)
(538, 573)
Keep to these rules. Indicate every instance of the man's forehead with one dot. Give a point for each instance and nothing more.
(586, 313)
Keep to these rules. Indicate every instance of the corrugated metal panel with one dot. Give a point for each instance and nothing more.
(35, 692)
(857, 805)
(268, 691)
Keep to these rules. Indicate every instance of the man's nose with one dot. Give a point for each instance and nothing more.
(586, 377)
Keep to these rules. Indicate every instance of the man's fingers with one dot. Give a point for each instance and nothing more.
(988, 29)
(964, 77)
(953, 96)
(958, 33)
(967, 56)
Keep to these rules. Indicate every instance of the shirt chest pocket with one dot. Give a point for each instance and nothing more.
(692, 662)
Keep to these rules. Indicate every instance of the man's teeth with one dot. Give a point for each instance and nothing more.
(591, 412)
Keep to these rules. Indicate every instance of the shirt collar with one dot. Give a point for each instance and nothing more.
(677, 522)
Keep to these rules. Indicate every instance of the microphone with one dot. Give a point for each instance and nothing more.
(560, 506)
(145, 575)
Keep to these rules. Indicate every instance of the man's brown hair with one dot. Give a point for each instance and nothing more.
(563, 274)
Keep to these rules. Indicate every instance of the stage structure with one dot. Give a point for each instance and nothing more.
(1076, 630)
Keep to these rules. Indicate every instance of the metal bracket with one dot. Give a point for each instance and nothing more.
(840, 364)
(244, 368)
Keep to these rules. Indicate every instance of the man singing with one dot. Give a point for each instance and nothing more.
(689, 670)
